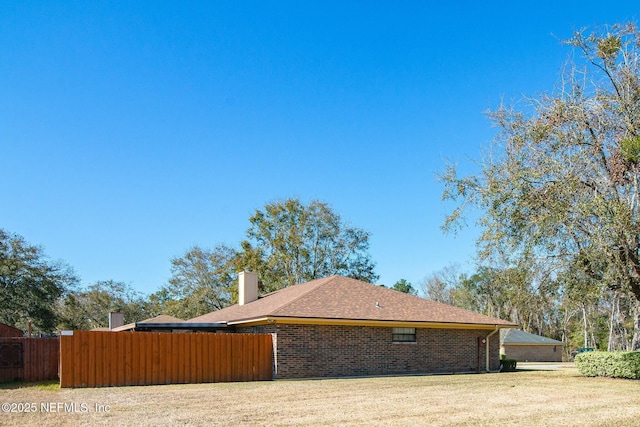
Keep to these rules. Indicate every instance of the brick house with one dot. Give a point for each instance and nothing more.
(525, 347)
(338, 326)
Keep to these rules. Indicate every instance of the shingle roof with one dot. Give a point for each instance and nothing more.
(343, 298)
(517, 336)
(163, 318)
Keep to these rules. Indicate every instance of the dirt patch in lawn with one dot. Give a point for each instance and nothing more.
(560, 397)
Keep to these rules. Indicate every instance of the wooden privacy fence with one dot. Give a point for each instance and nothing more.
(29, 359)
(97, 359)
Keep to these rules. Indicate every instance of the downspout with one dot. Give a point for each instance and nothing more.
(486, 352)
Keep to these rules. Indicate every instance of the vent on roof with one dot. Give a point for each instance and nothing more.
(247, 287)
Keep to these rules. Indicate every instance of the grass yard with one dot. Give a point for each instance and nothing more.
(534, 398)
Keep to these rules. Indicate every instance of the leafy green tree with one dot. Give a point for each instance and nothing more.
(30, 284)
(561, 181)
(291, 243)
(405, 286)
(287, 243)
(202, 281)
(90, 308)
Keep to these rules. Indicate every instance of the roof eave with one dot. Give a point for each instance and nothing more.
(365, 322)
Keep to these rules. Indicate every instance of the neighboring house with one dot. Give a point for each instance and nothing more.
(10, 331)
(339, 326)
(525, 347)
(162, 322)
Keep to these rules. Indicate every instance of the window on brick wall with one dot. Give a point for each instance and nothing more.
(404, 334)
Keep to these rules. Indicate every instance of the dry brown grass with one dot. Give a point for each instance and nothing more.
(521, 398)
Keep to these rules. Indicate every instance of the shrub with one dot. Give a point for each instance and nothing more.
(508, 365)
(605, 364)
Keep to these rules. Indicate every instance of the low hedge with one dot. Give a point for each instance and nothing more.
(606, 364)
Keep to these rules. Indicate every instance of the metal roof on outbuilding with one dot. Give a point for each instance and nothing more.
(517, 336)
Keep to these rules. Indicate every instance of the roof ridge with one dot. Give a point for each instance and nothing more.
(321, 281)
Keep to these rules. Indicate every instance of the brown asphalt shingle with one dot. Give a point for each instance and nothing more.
(338, 297)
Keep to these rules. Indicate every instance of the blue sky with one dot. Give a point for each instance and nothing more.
(130, 131)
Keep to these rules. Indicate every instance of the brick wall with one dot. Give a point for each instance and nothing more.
(304, 351)
(533, 353)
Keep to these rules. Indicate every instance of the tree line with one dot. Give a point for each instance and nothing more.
(579, 316)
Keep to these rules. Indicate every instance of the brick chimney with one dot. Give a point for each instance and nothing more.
(247, 287)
